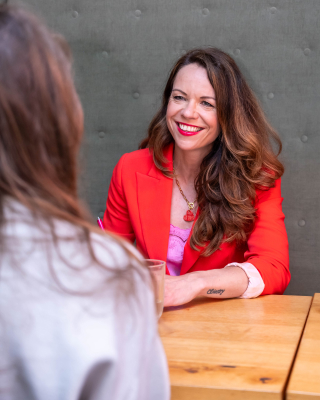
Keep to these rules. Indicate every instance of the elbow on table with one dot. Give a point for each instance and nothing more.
(276, 279)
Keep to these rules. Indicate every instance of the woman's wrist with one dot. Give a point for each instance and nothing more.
(198, 281)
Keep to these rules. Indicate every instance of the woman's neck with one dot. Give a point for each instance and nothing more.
(187, 164)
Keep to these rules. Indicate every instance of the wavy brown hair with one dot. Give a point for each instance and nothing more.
(41, 126)
(241, 160)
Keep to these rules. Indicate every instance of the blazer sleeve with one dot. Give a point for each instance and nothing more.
(268, 248)
(116, 218)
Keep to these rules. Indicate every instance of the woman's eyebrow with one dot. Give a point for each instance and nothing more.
(207, 97)
(178, 90)
(202, 97)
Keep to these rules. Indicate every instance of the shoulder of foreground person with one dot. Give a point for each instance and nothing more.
(71, 346)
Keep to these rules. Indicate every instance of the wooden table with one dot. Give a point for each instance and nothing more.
(232, 349)
(304, 382)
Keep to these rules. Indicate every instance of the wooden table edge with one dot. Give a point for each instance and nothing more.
(297, 394)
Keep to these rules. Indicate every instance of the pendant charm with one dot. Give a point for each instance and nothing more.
(189, 216)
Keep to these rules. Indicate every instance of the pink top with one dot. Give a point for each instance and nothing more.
(177, 239)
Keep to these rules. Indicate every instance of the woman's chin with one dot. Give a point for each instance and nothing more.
(190, 144)
(185, 146)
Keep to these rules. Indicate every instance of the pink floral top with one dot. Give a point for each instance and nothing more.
(177, 239)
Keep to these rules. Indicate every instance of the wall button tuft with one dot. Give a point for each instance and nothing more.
(304, 138)
(236, 52)
(273, 10)
(205, 11)
(75, 14)
(307, 51)
(102, 134)
(270, 95)
(136, 95)
(302, 222)
(105, 54)
(137, 13)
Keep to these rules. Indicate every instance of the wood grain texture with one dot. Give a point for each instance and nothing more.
(232, 349)
(305, 378)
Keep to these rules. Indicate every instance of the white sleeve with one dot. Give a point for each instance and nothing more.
(256, 284)
(75, 330)
(124, 381)
(138, 369)
(157, 382)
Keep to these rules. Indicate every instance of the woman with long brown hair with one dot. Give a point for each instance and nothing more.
(203, 192)
(77, 313)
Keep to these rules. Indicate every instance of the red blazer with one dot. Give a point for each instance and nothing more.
(138, 208)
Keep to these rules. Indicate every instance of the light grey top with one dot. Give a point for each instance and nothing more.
(60, 346)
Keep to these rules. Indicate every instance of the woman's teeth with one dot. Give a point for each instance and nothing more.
(189, 128)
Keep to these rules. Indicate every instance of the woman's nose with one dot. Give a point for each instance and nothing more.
(190, 110)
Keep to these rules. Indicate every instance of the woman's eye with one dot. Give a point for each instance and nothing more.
(206, 104)
(178, 98)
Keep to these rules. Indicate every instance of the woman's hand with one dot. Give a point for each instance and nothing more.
(181, 289)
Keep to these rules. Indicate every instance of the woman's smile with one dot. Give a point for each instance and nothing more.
(188, 130)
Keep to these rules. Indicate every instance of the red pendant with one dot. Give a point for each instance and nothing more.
(189, 216)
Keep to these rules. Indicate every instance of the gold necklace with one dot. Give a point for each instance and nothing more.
(189, 216)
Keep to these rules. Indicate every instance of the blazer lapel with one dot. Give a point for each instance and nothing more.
(154, 201)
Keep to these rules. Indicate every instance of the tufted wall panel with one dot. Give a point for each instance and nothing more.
(123, 50)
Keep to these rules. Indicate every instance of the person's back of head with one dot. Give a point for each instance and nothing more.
(41, 126)
(41, 118)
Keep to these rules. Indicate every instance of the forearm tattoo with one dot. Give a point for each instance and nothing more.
(215, 291)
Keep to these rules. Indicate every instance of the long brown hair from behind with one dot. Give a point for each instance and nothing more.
(40, 117)
(241, 160)
(41, 126)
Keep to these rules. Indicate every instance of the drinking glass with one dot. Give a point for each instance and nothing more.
(158, 270)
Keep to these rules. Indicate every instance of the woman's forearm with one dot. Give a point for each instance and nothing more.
(228, 282)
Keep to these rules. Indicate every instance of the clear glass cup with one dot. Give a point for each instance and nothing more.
(158, 270)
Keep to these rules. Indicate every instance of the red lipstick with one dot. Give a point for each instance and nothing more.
(184, 133)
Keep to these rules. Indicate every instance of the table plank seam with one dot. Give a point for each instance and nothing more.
(296, 353)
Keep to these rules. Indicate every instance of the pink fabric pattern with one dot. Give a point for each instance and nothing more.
(177, 239)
